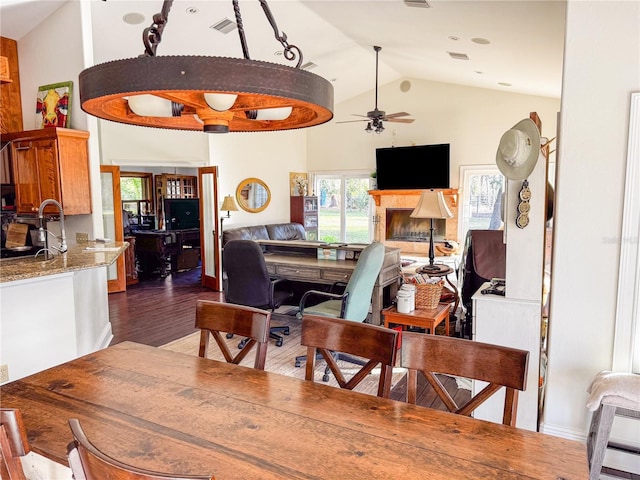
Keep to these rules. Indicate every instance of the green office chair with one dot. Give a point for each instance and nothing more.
(353, 304)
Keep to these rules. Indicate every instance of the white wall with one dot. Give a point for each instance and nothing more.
(52, 53)
(601, 70)
(472, 120)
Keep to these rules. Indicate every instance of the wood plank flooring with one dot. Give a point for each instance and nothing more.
(161, 312)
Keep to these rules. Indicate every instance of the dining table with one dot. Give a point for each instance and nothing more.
(183, 414)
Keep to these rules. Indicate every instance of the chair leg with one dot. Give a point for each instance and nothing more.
(599, 431)
(303, 358)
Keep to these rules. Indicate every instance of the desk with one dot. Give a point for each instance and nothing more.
(420, 317)
(326, 272)
(172, 412)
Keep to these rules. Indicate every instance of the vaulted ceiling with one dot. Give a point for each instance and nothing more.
(514, 46)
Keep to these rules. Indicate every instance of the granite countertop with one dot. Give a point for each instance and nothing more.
(78, 257)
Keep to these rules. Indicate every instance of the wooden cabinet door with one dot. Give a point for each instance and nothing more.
(35, 169)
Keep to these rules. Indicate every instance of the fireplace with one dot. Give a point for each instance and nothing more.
(400, 227)
(396, 229)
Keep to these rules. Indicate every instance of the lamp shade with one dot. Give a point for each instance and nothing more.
(229, 204)
(431, 205)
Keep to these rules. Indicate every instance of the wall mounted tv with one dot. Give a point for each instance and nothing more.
(181, 213)
(417, 167)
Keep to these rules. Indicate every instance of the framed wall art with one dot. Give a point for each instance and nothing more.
(53, 105)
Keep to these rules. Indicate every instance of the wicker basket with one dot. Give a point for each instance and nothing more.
(428, 294)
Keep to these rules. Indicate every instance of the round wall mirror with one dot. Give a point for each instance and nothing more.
(253, 195)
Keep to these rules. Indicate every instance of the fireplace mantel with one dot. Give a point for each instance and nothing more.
(385, 199)
(376, 194)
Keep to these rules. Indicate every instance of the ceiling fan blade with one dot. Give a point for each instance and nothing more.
(398, 114)
(358, 115)
(400, 120)
(351, 121)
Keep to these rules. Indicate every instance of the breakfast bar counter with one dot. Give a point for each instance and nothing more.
(78, 257)
(54, 310)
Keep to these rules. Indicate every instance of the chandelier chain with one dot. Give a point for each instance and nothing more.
(288, 52)
(152, 35)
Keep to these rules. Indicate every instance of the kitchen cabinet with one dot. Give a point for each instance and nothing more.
(51, 163)
(304, 210)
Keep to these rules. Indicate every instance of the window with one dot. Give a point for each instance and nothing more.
(136, 191)
(482, 188)
(345, 210)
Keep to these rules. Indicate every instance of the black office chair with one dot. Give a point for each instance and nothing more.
(248, 282)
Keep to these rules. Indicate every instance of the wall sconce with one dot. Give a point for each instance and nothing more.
(228, 205)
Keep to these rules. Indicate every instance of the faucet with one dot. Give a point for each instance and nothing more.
(42, 233)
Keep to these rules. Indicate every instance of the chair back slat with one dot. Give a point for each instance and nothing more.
(13, 444)
(374, 344)
(87, 462)
(497, 365)
(214, 318)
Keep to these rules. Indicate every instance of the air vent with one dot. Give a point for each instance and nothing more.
(458, 56)
(225, 26)
(308, 66)
(417, 3)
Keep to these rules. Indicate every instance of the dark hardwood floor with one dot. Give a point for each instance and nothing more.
(158, 310)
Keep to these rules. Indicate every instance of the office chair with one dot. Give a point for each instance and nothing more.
(327, 335)
(212, 318)
(13, 444)
(87, 462)
(499, 366)
(353, 304)
(248, 282)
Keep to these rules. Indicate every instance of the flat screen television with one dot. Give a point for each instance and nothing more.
(413, 168)
(181, 213)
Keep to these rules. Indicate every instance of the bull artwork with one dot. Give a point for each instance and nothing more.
(53, 104)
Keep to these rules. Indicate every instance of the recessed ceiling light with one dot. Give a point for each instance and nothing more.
(504, 84)
(133, 18)
(192, 10)
(453, 37)
(278, 53)
(479, 72)
(480, 41)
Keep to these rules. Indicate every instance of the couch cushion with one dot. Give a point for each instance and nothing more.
(286, 231)
(255, 232)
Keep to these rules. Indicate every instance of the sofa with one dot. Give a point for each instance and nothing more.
(274, 231)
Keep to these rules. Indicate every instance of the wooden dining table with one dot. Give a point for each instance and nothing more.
(179, 413)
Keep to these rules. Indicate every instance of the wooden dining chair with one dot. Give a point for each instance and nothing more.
(87, 462)
(497, 365)
(13, 444)
(374, 344)
(218, 318)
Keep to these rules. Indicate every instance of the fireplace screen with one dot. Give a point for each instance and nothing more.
(402, 228)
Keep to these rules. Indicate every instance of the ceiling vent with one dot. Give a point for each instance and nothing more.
(417, 3)
(308, 66)
(458, 56)
(225, 26)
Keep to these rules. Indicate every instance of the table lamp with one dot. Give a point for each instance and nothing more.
(431, 205)
(228, 205)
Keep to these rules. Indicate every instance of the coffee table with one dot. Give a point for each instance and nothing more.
(428, 318)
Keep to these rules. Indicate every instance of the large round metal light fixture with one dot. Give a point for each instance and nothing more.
(211, 94)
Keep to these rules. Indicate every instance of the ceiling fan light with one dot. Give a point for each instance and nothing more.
(379, 127)
(220, 101)
(368, 128)
(146, 105)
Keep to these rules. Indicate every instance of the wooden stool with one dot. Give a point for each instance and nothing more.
(612, 394)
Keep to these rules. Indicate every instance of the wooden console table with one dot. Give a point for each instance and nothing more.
(296, 260)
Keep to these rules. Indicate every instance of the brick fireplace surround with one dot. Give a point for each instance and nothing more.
(391, 199)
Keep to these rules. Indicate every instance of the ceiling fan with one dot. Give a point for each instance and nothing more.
(375, 117)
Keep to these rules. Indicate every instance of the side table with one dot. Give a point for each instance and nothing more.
(428, 318)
